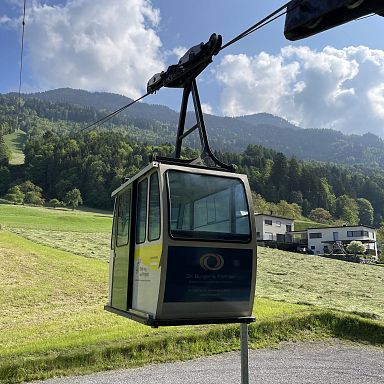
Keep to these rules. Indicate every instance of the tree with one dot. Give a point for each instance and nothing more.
(55, 203)
(5, 178)
(356, 247)
(347, 210)
(4, 152)
(365, 211)
(285, 209)
(326, 197)
(380, 240)
(260, 205)
(34, 198)
(15, 195)
(73, 198)
(320, 215)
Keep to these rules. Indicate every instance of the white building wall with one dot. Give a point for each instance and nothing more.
(316, 244)
(269, 226)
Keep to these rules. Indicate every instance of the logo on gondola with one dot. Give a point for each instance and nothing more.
(211, 262)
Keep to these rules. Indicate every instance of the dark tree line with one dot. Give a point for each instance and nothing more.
(311, 185)
(97, 162)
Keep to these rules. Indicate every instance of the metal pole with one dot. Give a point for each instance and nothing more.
(244, 353)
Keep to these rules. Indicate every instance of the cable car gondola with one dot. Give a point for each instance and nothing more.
(183, 248)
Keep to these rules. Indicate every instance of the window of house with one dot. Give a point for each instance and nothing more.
(123, 218)
(278, 223)
(154, 208)
(280, 238)
(357, 233)
(268, 236)
(315, 235)
(289, 227)
(141, 217)
(313, 247)
(268, 222)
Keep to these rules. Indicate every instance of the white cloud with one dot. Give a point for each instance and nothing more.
(207, 108)
(94, 45)
(334, 88)
(179, 51)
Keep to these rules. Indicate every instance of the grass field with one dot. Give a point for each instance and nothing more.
(15, 142)
(46, 219)
(304, 224)
(51, 301)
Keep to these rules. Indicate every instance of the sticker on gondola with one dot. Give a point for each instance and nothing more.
(208, 274)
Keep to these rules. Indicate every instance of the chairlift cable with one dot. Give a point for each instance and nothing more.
(21, 65)
(266, 20)
(366, 17)
(111, 115)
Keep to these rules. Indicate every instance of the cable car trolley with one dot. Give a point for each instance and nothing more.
(183, 248)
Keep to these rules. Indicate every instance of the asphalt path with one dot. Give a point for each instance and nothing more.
(333, 362)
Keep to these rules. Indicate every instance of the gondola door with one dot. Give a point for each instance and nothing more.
(121, 250)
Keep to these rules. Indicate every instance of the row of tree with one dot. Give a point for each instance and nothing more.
(96, 163)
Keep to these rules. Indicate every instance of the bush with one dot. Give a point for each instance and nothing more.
(356, 247)
(55, 203)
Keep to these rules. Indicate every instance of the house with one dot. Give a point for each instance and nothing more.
(336, 239)
(273, 229)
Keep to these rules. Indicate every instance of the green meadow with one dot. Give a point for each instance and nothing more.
(53, 285)
(15, 142)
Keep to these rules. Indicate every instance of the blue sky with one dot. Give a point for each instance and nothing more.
(331, 80)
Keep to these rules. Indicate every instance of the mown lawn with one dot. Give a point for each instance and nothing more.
(46, 219)
(326, 283)
(15, 142)
(52, 306)
(51, 301)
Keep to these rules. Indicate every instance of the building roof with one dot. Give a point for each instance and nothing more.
(276, 217)
(339, 227)
(342, 226)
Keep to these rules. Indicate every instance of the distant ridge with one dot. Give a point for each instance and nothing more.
(230, 134)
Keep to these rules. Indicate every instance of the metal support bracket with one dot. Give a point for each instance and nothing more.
(183, 75)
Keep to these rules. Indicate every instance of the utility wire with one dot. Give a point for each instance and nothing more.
(260, 24)
(21, 65)
(111, 115)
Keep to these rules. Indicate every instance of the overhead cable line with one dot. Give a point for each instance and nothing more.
(111, 115)
(21, 65)
(366, 17)
(260, 24)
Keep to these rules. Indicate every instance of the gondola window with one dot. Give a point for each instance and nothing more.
(123, 218)
(207, 207)
(141, 217)
(154, 208)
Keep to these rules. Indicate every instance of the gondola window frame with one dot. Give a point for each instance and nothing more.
(155, 187)
(142, 212)
(204, 236)
(124, 214)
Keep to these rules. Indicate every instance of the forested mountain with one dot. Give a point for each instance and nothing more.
(96, 162)
(158, 124)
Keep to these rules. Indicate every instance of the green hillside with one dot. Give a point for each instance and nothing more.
(51, 300)
(15, 142)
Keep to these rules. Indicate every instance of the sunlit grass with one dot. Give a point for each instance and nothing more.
(52, 306)
(20, 216)
(15, 142)
(327, 283)
(53, 320)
